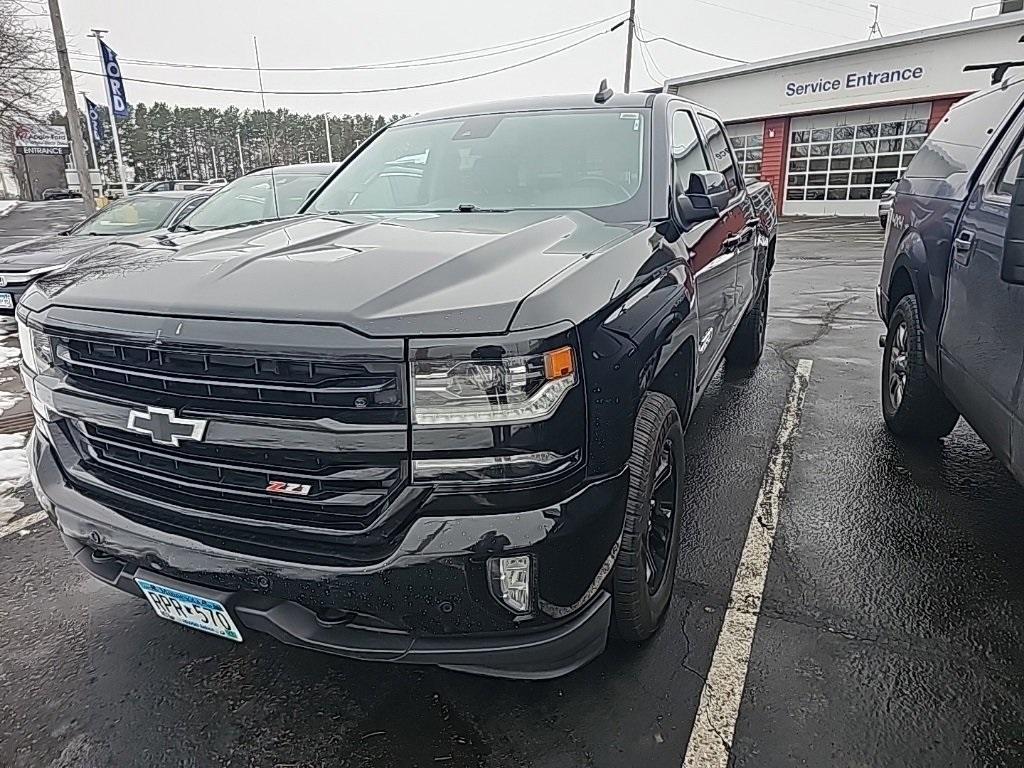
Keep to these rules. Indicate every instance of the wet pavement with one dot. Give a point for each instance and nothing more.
(890, 631)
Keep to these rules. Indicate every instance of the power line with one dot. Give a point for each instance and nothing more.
(643, 60)
(650, 56)
(447, 58)
(661, 76)
(834, 7)
(191, 86)
(770, 18)
(687, 47)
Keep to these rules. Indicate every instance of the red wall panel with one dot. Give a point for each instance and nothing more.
(939, 109)
(773, 162)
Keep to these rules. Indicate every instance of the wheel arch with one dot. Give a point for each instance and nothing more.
(911, 258)
(677, 378)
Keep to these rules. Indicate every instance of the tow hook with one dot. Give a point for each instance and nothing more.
(881, 340)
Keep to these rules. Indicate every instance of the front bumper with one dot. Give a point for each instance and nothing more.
(17, 290)
(428, 603)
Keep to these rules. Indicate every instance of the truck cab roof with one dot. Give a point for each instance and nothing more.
(537, 104)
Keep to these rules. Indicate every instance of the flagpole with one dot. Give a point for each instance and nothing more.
(327, 130)
(98, 34)
(92, 139)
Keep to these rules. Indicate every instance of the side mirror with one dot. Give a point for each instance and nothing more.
(707, 194)
(1013, 245)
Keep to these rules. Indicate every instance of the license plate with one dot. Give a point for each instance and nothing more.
(6, 301)
(190, 610)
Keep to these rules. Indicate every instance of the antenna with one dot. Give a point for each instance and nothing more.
(603, 92)
(874, 26)
(266, 114)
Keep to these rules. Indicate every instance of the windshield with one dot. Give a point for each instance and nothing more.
(130, 216)
(250, 198)
(587, 159)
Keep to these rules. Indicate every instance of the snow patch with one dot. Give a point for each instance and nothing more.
(9, 356)
(8, 400)
(6, 206)
(13, 473)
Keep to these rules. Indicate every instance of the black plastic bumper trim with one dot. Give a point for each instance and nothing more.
(543, 654)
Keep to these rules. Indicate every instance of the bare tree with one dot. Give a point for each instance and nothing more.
(28, 73)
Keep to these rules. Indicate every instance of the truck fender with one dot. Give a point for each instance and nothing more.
(912, 272)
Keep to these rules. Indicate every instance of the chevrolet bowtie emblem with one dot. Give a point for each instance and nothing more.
(165, 427)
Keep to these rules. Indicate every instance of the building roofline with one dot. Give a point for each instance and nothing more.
(850, 49)
(881, 103)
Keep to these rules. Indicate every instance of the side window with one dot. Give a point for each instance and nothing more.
(186, 209)
(721, 152)
(687, 153)
(1008, 180)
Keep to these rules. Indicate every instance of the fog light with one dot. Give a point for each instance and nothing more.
(510, 581)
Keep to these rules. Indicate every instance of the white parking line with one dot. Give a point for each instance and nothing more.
(713, 730)
(21, 523)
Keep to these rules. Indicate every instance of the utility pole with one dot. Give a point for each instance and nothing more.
(213, 154)
(874, 26)
(98, 34)
(327, 130)
(74, 121)
(629, 42)
(241, 160)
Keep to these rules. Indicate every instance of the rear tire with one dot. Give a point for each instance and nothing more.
(644, 574)
(747, 344)
(912, 405)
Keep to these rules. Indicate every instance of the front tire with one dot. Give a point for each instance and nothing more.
(644, 574)
(747, 345)
(912, 405)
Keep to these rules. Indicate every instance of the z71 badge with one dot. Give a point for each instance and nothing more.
(292, 489)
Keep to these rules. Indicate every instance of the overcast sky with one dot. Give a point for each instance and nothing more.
(319, 33)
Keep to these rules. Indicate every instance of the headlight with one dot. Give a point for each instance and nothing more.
(36, 348)
(498, 389)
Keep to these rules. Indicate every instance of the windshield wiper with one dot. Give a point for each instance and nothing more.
(184, 228)
(470, 208)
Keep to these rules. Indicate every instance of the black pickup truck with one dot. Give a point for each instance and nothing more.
(438, 417)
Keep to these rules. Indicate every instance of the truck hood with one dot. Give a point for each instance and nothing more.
(399, 275)
(48, 251)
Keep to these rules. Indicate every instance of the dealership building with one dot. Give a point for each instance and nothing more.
(831, 129)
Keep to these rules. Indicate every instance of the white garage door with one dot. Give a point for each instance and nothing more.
(748, 143)
(840, 164)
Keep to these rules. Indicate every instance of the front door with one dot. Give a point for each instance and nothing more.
(711, 258)
(740, 223)
(982, 354)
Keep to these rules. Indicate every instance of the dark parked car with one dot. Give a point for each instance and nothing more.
(22, 263)
(60, 193)
(952, 284)
(438, 418)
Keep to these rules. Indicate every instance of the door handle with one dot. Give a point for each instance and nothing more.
(962, 247)
(739, 240)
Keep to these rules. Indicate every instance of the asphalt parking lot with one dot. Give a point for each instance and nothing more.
(890, 630)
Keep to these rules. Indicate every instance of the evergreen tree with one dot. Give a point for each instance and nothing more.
(159, 141)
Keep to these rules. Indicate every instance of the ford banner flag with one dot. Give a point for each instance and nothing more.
(115, 87)
(96, 119)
